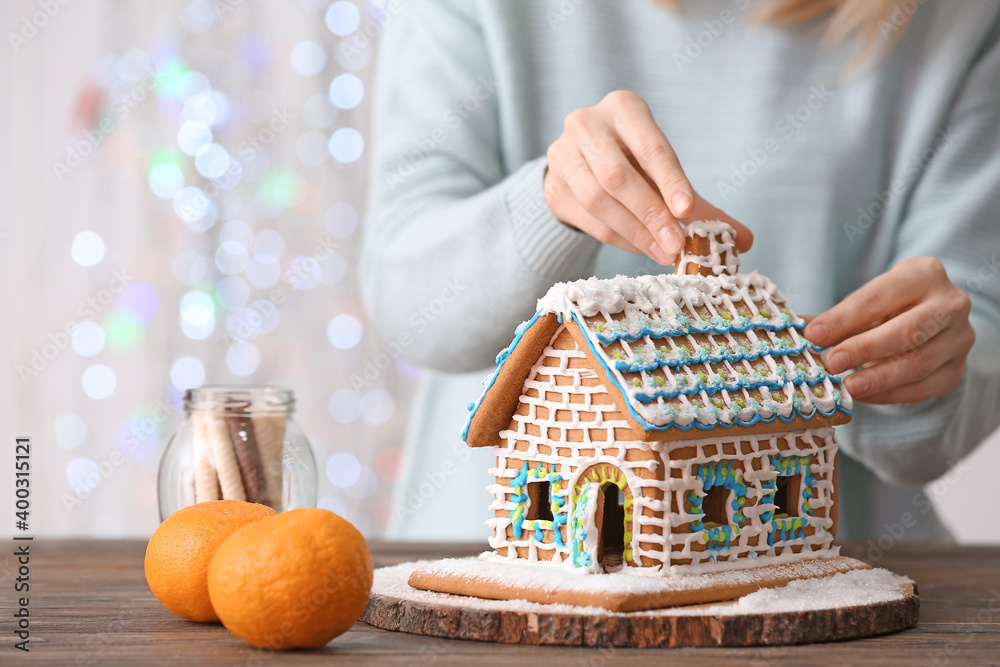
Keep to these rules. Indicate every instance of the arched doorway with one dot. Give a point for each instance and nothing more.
(610, 526)
(601, 524)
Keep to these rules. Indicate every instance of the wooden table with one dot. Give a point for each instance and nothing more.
(90, 606)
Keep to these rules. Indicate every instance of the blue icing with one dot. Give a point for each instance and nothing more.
(519, 523)
(792, 527)
(718, 325)
(579, 556)
(560, 519)
(683, 357)
(521, 478)
(716, 384)
(719, 473)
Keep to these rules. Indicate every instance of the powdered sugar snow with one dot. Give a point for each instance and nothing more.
(849, 589)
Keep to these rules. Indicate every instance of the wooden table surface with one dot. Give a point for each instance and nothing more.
(90, 606)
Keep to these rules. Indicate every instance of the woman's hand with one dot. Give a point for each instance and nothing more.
(613, 175)
(908, 329)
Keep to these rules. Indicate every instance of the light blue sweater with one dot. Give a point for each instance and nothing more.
(840, 175)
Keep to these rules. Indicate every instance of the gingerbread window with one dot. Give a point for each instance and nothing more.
(714, 506)
(539, 501)
(786, 495)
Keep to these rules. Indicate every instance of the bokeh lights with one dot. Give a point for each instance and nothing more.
(244, 250)
(88, 248)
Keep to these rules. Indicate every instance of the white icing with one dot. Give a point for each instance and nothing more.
(588, 500)
(722, 256)
(667, 302)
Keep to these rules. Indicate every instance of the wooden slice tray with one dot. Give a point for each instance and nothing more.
(397, 607)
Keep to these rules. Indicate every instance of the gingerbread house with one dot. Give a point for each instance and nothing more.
(666, 423)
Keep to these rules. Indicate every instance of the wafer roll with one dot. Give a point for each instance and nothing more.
(270, 432)
(206, 481)
(225, 459)
(241, 433)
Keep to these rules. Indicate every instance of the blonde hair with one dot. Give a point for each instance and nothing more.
(871, 20)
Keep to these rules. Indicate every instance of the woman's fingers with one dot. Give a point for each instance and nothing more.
(706, 211)
(593, 196)
(588, 224)
(614, 174)
(566, 177)
(909, 367)
(896, 336)
(646, 142)
(877, 298)
(619, 179)
(907, 329)
(938, 384)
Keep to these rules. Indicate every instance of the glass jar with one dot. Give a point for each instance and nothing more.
(237, 443)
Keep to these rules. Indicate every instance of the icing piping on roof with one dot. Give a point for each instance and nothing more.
(695, 424)
(667, 311)
(674, 381)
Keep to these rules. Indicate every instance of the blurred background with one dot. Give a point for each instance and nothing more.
(187, 179)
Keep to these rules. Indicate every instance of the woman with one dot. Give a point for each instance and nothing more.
(521, 143)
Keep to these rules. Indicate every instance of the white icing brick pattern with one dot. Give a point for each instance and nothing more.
(570, 467)
(821, 449)
(721, 257)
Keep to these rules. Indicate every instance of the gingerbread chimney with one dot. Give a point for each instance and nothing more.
(709, 249)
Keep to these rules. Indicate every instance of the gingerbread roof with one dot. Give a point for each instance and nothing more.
(687, 352)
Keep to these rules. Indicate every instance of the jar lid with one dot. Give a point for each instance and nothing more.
(240, 398)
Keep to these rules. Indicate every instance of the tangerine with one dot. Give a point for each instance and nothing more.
(180, 550)
(297, 579)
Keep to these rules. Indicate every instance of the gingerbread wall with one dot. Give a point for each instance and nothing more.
(749, 468)
(567, 422)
